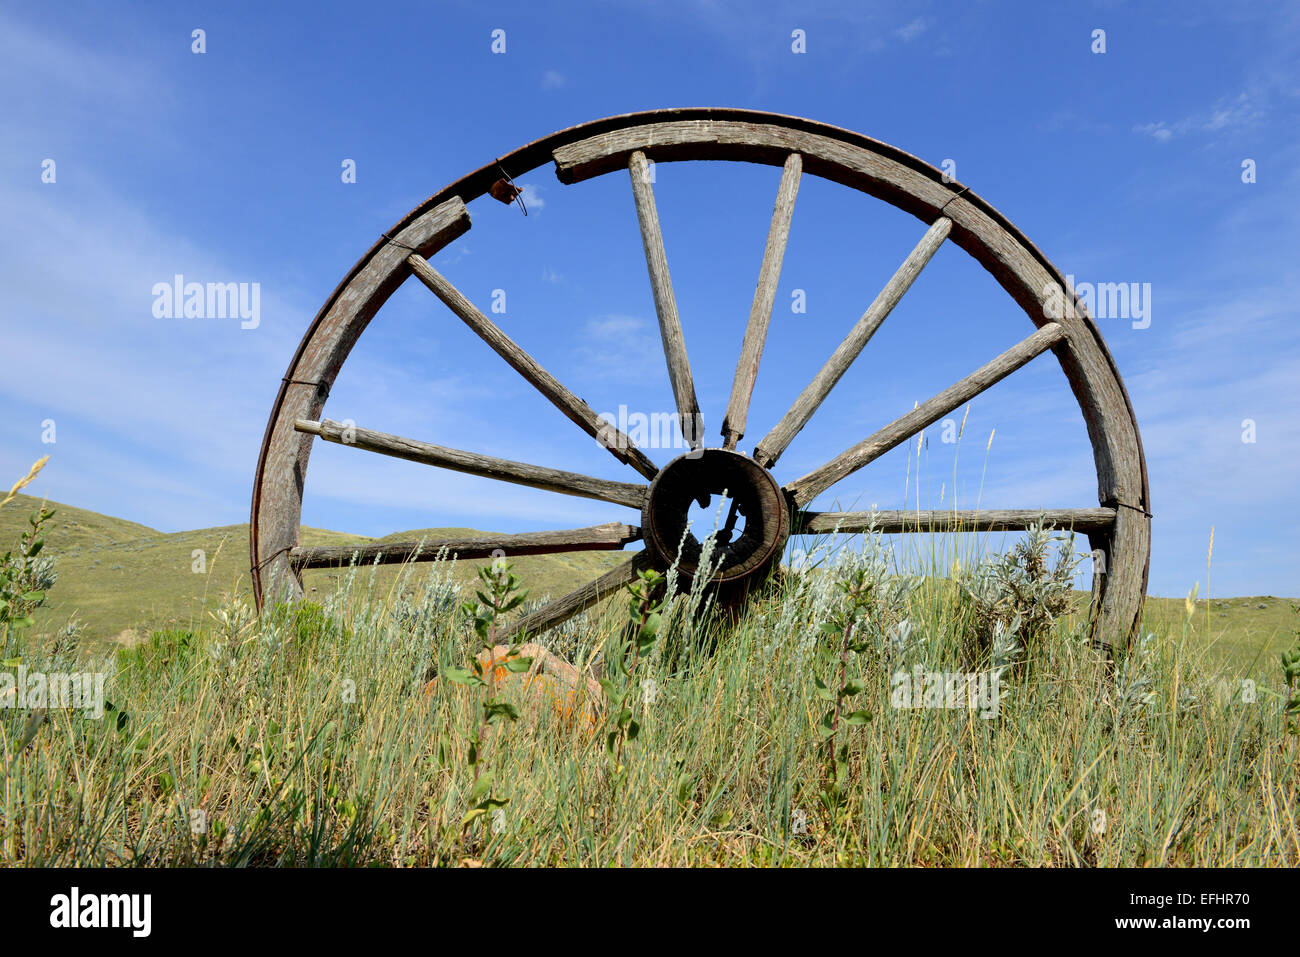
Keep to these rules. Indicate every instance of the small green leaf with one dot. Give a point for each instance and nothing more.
(497, 709)
(481, 786)
(685, 785)
(463, 676)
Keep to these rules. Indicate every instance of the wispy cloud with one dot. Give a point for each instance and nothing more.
(1228, 113)
(621, 346)
(532, 196)
(913, 29)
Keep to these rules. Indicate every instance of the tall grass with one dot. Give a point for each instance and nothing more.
(306, 736)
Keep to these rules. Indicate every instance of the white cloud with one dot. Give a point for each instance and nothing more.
(618, 345)
(532, 197)
(1239, 111)
(553, 80)
(913, 29)
(615, 328)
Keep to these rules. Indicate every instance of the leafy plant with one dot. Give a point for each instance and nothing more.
(24, 579)
(500, 594)
(1291, 672)
(631, 646)
(845, 628)
(1021, 593)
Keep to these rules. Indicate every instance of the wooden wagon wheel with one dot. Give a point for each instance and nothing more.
(1118, 528)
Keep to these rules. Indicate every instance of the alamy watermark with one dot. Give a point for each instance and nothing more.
(655, 430)
(1103, 300)
(919, 688)
(179, 299)
(129, 911)
(57, 689)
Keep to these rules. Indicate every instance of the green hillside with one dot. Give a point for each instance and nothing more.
(1245, 633)
(122, 580)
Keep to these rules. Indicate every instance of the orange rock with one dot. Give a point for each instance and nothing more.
(550, 682)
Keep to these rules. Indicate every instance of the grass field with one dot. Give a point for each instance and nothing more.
(312, 736)
(123, 580)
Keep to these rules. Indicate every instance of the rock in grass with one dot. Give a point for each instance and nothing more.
(550, 684)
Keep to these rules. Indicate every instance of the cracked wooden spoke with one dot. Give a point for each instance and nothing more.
(661, 284)
(580, 599)
(611, 536)
(805, 489)
(520, 473)
(760, 314)
(950, 520)
(783, 433)
(578, 411)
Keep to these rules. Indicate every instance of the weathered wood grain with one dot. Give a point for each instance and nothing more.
(1084, 520)
(611, 536)
(619, 445)
(562, 609)
(778, 439)
(661, 284)
(805, 489)
(282, 462)
(488, 466)
(760, 313)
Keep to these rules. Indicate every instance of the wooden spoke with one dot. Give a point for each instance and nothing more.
(760, 313)
(578, 411)
(608, 537)
(931, 410)
(670, 324)
(562, 609)
(776, 441)
(520, 473)
(940, 520)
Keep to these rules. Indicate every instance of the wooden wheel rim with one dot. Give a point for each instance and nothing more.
(1119, 531)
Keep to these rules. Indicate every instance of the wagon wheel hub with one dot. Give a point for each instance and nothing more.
(695, 478)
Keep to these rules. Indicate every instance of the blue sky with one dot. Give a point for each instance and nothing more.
(225, 166)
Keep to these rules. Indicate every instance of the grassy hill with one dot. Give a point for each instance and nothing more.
(122, 580)
(1245, 633)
